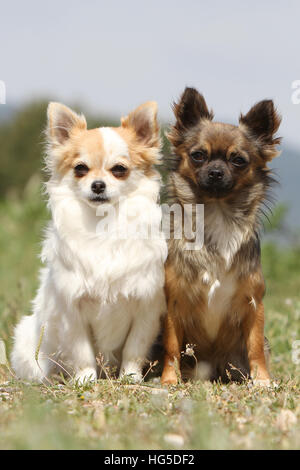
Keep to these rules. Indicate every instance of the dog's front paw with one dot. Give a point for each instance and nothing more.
(132, 371)
(86, 375)
(169, 378)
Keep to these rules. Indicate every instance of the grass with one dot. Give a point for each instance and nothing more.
(120, 415)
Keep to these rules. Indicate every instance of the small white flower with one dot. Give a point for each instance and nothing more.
(189, 350)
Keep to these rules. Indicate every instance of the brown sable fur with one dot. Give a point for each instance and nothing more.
(215, 294)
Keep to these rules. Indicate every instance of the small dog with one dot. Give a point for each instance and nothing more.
(99, 293)
(215, 294)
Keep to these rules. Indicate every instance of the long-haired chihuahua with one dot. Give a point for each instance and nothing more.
(215, 294)
(101, 291)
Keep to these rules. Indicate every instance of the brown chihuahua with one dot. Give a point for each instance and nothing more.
(215, 294)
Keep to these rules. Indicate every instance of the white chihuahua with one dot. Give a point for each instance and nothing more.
(100, 292)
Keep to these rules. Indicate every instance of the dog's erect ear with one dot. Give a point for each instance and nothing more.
(143, 121)
(61, 122)
(263, 122)
(190, 109)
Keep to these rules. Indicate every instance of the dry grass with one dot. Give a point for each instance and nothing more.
(120, 415)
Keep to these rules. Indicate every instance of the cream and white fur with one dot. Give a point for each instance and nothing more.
(97, 294)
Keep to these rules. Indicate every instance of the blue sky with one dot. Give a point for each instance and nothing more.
(112, 55)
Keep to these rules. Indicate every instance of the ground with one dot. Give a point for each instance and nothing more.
(119, 415)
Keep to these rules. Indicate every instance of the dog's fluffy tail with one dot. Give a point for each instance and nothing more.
(23, 357)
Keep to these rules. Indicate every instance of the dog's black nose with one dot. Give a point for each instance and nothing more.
(215, 175)
(98, 187)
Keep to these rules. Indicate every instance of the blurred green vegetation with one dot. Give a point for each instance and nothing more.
(21, 147)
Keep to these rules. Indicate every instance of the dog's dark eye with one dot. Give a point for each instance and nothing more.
(81, 170)
(198, 156)
(119, 170)
(237, 160)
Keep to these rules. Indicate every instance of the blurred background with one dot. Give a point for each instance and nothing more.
(106, 57)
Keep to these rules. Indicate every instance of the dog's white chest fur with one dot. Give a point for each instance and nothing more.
(226, 238)
(219, 295)
(222, 233)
